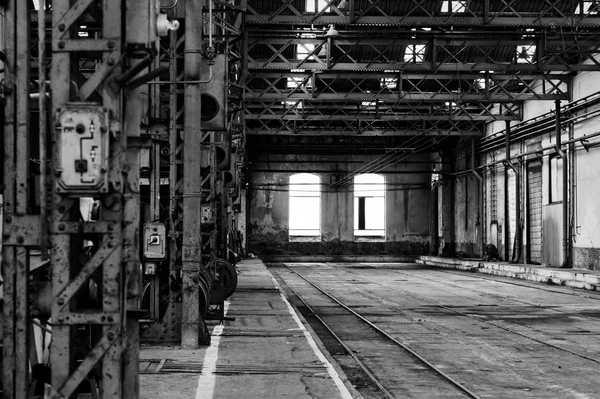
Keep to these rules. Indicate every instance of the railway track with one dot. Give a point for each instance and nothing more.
(394, 368)
(480, 320)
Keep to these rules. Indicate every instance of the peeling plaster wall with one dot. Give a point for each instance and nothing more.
(407, 218)
(466, 213)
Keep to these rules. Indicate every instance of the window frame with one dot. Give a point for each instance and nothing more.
(292, 230)
(555, 186)
(368, 234)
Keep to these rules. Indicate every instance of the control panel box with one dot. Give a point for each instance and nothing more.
(154, 245)
(83, 152)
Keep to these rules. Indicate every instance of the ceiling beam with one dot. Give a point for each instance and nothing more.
(408, 97)
(526, 21)
(371, 132)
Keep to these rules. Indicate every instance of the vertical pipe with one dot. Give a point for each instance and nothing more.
(43, 123)
(192, 258)
(506, 208)
(565, 180)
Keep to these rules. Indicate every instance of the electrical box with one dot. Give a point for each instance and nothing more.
(150, 269)
(83, 153)
(155, 241)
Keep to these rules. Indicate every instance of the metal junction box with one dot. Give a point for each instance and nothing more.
(83, 152)
(154, 242)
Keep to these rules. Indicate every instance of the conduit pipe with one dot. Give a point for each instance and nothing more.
(565, 180)
(480, 209)
(525, 154)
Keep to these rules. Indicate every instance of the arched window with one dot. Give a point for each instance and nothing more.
(305, 205)
(369, 205)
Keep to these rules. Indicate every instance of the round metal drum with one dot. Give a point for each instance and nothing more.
(227, 276)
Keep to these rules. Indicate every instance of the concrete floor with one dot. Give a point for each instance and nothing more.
(266, 352)
(501, 338)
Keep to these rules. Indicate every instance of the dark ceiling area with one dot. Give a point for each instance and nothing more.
(363, 74)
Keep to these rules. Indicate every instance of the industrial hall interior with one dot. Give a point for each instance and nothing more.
(299, 199)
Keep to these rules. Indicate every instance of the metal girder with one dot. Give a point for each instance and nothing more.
(427, 52)
(406, 87)
(316, 110)
(549, 13)
(111, 326)
(364, 127)
(15, 253)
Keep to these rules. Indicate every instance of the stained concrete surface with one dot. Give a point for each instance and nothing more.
(262, 354)
(499, 338)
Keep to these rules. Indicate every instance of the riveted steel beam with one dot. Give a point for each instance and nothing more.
(549, 13)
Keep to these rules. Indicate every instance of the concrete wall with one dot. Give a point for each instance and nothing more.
(407, 220)
(584, 190)
(586, 185)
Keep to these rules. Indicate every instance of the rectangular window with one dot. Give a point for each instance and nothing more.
(369, 205)
(556, 179)
(316, 5)
(305, 205)
(415, 53)
(454, 6)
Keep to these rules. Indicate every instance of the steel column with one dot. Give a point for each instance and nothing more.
(192, 324)
(15, 367)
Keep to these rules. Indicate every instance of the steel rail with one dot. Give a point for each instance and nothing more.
(383, 332)
(341, 342)
(481, 320)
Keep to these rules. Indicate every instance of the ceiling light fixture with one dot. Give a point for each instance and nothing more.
(332, 32)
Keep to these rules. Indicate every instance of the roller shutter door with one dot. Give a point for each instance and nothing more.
(534, 212)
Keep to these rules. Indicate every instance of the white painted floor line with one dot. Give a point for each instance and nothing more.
(207, 380)
(345, 394)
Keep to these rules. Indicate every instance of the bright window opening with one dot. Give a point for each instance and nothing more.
(415, 53)
(525, 54)
(454, 6)
(316, 5)
(588, 7)
(305, 205)
(390, 82)
(556, 180)
(369, 205)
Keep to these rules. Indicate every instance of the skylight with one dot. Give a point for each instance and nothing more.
(589, 7)
(415, 53)
(316, 5)
(454, 6)
(525, 54)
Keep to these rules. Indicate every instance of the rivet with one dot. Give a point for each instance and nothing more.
(110, 336)
(110, 44)
(20, 240)
(60, 301)
(110, 62)
(61, 227)
(61, 45)
(61, 27)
